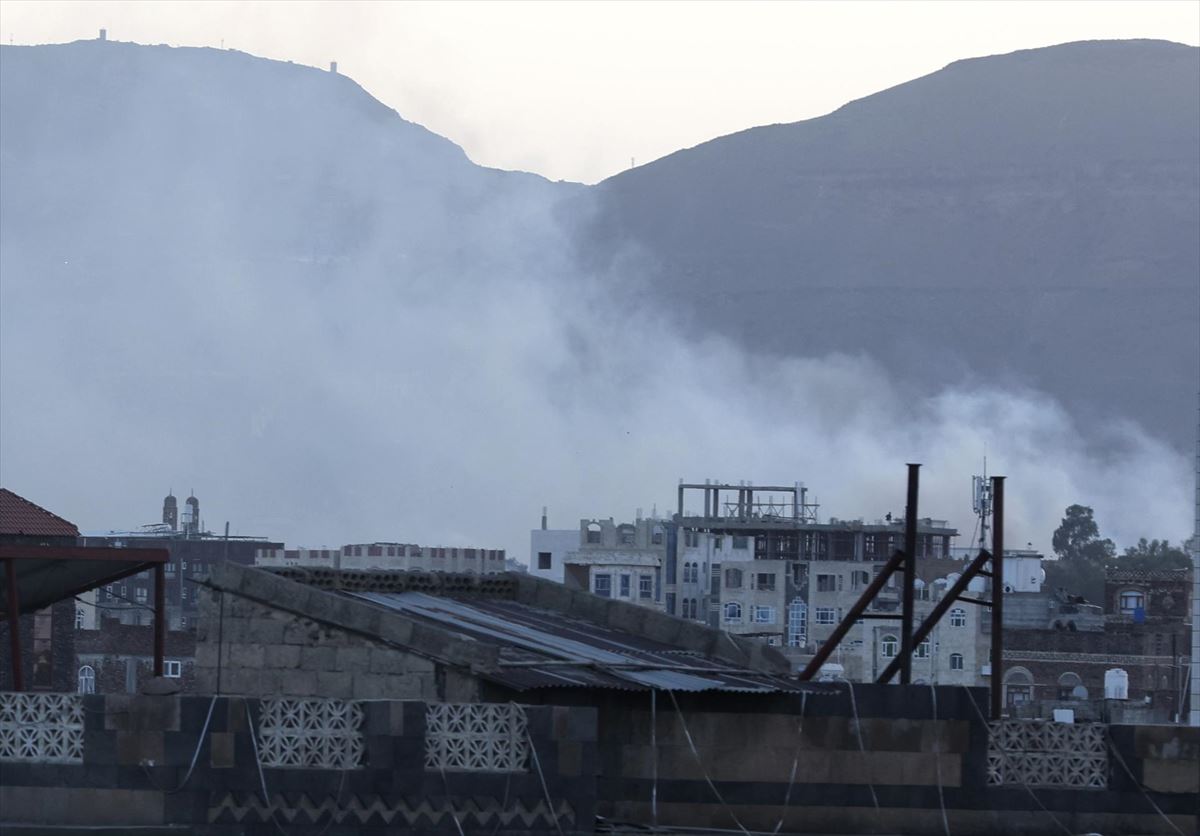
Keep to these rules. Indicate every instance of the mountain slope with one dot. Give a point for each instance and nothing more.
(1026, 218)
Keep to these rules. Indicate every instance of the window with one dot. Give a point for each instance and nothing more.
(825, 615)
(657, 538)
(170, 567)
(1018, 687)
(87, 680)
(741, 542)
(691, 539)
(140, 595)
(172, 668)
(733, 578)
(773, 641)
(797, 626)
(860, 579)
(545, 560)
(602, 585)
(826, 583)
(733, 613)
(625, 586)
(889, 646)
(1132, 600)
(958, 617)
(79, 617)
(718, 542)
(765, 580)
(625, 535)
(693, 609)
(1067, 683)
(923, 650)
(646, 586)
(593, 533)
(956, 661)
(764, 615)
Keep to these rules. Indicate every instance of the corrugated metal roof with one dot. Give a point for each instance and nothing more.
(547, 649)
(20, 516)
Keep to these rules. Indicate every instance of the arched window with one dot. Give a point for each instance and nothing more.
(923, 650)
(733, 613)
(593, 532)
(889, 646)
(87, 680)
(1018, 687)
(1131, 600)
(958, 617)
(1067, 683)
(956, 661)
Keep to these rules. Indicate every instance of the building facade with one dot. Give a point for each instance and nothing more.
(609, 559)
(392, 556)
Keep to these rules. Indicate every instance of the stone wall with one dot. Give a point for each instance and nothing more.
(389, 775)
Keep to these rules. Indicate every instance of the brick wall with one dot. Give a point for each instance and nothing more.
(47, 649)
(114, 647)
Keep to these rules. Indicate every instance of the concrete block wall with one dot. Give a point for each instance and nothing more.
(263, 633)
(137, 750)
(799, 763)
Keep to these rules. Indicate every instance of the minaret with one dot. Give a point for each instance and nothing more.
(192, 520)
(170, 515)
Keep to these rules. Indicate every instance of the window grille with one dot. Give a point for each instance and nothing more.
(958, 617)
(46, 728)
(476, 737)
(310, 733)
(733, 613)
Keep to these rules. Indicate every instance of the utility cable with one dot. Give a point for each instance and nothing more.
(695, 753)
(1138, 784)
(787, 797)
(863, 749)
(937, 759)
(1008, 761)
(542, 777)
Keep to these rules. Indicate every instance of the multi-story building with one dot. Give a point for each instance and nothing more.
(394, 556)
(1069, 657)
(193, 552)
(612, 560)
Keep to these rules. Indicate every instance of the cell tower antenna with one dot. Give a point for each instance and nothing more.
(981, 491)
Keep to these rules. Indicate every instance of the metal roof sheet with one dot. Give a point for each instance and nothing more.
(548, 649)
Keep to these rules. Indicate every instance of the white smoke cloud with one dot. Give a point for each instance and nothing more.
(321, 393)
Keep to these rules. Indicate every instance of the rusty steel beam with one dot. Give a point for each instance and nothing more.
(853, 615)
(952, 594)
(997, 595)
(14, 623)
(160, 617)
(910, 574)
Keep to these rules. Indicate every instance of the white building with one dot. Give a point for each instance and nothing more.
(609, 559)
(395, 556)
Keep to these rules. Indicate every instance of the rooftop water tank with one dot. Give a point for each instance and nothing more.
(1116, 684)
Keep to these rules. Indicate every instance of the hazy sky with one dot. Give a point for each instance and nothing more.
(575, 90)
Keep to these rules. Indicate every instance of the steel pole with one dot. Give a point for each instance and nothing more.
(910, 574)
(14, 623)
(160, 617)
(997, 595)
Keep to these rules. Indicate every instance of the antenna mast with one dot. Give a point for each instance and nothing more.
(981, 491)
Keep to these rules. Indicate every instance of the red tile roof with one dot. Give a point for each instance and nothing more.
(20, 516)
